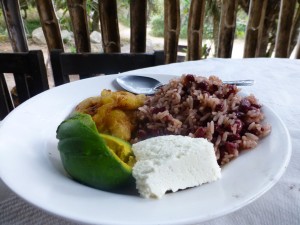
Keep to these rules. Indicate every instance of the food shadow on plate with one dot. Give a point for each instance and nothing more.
(126, 189)
(116, 86)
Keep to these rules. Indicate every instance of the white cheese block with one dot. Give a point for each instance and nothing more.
(173, 162)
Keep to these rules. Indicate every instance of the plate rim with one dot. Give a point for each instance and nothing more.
(213, 215)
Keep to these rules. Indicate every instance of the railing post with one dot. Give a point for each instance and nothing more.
(195, 29)
(77, 9)
(138, 25)
(297, 55)
(49, 24)
(171, 30)
(227, 28)
(255, 25)
(15, 26)
(4, 98)
(109, 26)
(283, 37)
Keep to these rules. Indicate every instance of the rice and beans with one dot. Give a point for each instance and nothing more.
(203, 107)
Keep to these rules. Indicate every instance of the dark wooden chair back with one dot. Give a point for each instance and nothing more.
(5, 99)
(30, 77)
(91, 64)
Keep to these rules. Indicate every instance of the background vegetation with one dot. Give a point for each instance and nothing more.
(155, 18)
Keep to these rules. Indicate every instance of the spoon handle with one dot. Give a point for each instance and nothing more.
(240, 82)
(233, 82)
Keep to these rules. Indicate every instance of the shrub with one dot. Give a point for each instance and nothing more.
(240, 30)
(31, 25)
(157, 26)
(183, 31)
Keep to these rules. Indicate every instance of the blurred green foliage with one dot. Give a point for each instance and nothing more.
(155, 17)
(157, 25)
(241, 23)
(31, 25)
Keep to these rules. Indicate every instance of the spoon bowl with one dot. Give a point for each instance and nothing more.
(139, 84)
(147, 85)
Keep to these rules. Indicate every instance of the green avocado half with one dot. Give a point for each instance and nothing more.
(97, 160)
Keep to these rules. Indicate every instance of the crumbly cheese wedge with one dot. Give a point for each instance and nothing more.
(171, 163)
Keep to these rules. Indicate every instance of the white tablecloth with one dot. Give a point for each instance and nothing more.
(278, 86)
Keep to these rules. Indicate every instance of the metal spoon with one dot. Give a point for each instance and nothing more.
(148, 85)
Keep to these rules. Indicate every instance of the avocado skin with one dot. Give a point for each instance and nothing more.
(85, 156)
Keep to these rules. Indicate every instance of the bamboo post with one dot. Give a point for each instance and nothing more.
(138, 25)
(77, 9)
(227, 28)
(14, 23)
(271, 16)
(109, 26)
(297, 55)
(195, 29)
(16, 32)
(294, 30)
(4, 98)
(171, 29)
(254, 29)
(49, 24)
(283, 37)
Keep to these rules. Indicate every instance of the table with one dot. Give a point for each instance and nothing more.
(277, 85)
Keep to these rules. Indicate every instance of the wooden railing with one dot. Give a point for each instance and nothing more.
(254, 40)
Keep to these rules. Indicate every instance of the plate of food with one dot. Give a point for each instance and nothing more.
(196, 150)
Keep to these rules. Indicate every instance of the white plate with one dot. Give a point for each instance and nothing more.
(31, 167)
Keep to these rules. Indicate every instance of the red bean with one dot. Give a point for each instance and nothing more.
(203, 85)
(230, 147)
(200, 132)
(233, 137)
(219, 107)
(245, 105)
(189, 78)
(158, 110)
